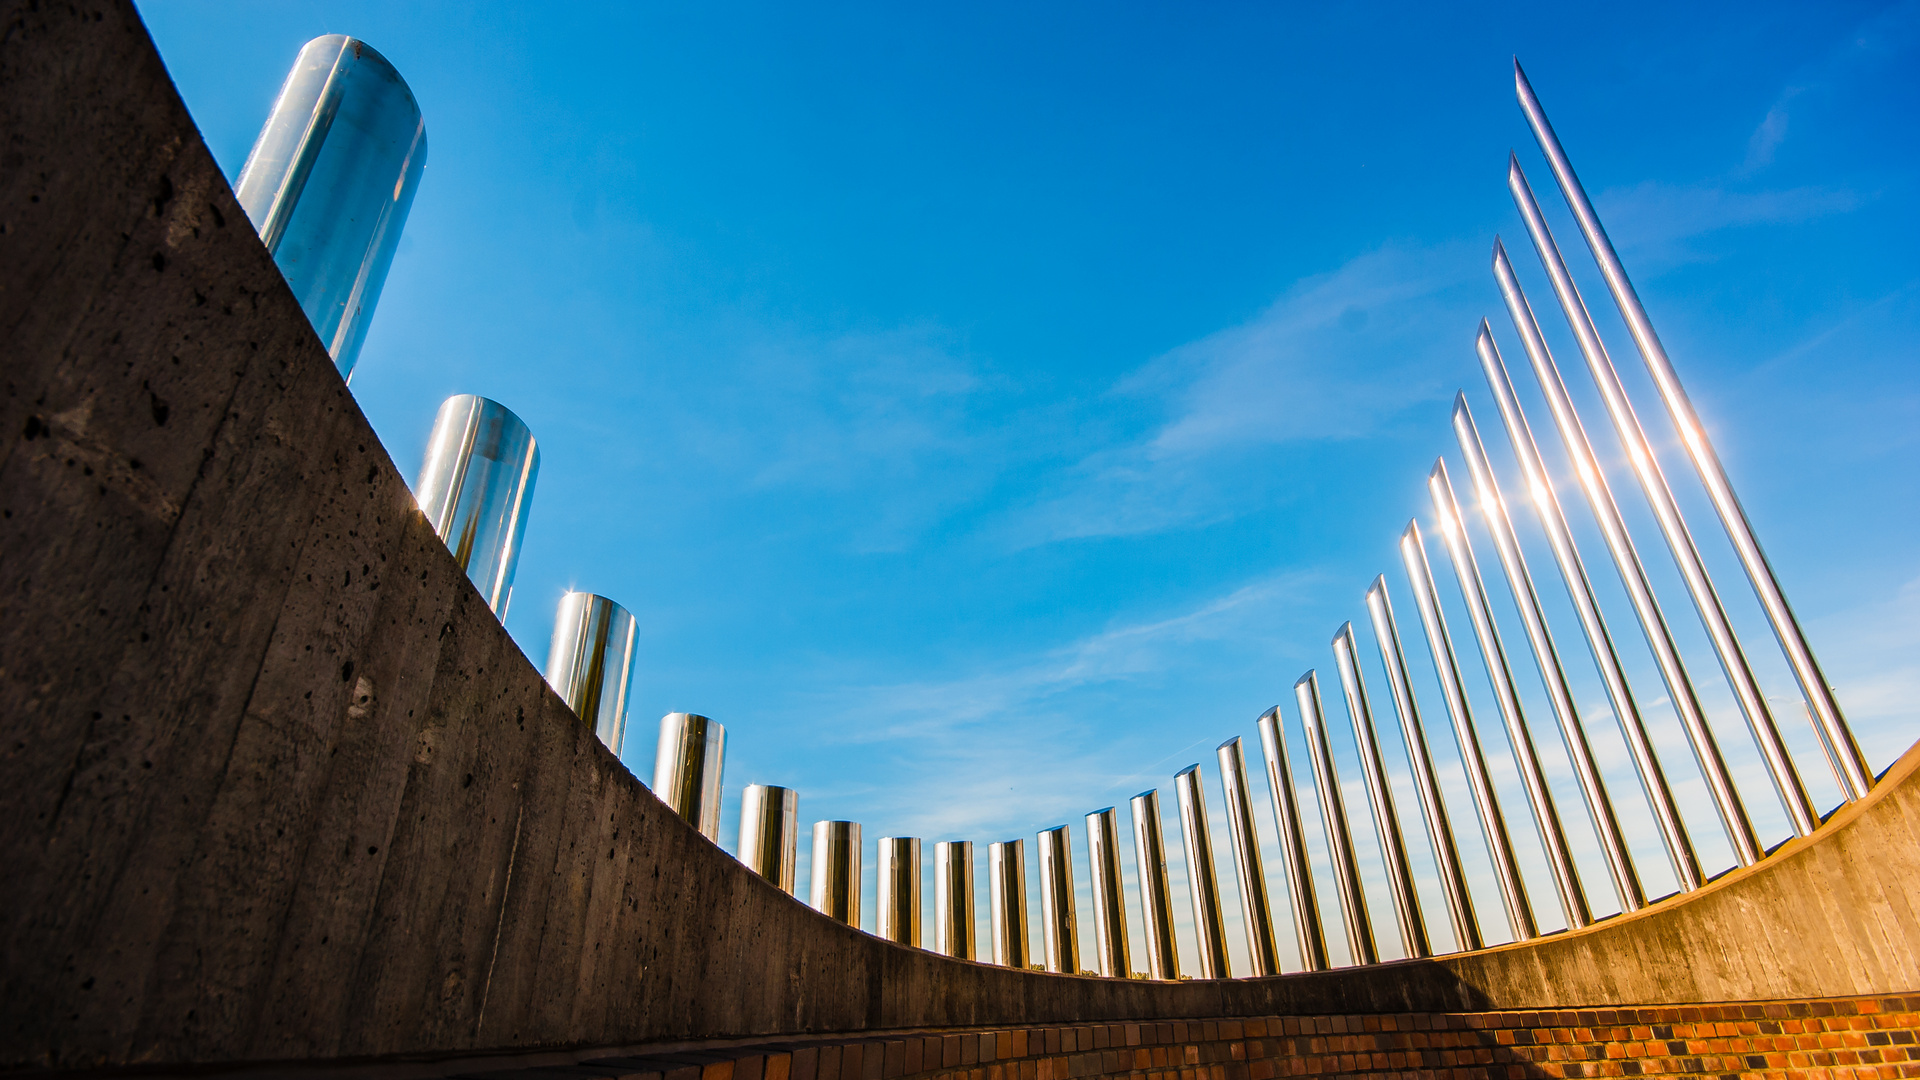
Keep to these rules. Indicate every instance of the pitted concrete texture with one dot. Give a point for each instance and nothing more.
(275, 786)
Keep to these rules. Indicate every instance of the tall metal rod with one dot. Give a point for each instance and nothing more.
(897, 892)
(687, 763)
(590, 662)
(1156, 898)
(1842, 751)
(1333, 812)
(1673, 526)
(1255, 915)
(1626, 559)
(835, 888)
(953, 898)
(1007, 888)
(1573, 573)
(1473, 590)
(1202, 883)
(1493, 824)
(1057, 930)
(1513, 562)
(1453, 878)
(1386, 822)
(769, 832)
(1293, 842)
(1109, 894)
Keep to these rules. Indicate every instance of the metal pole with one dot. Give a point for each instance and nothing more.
(769, 832)
(1573, 573)
(686, 769)
(1109, 894)
(590, 663)
(1057, 930)
(1293, 842)
(1493, 824)
(1201, 881)
(1255, 915)
(476, 488)
(1333, 810)
(1626, 559)
(1513, 562)
(953, 898)
(1386, 823)
(1453, 879)
(836, 870)
(1842, 752)
(1156, 898)
(1007, 885)
(1673, 526)
(898, 890)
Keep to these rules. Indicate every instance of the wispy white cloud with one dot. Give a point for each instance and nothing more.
(1655, 223)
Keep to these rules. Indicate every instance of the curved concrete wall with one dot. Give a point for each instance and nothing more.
(275, 785)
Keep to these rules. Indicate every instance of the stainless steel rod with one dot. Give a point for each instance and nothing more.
(1513, 563)
(590, 662)
(1453, 878)
(897, 893)
(1493, 824)
(835, 887)
(953, 927)
(1673, 526)
(1386, 822)
(687, 763)
(1057, 930)
(1202, 882)
(1333, 812)
(1842, 751)
(1573, 573)
(1109, 894)
(1293, 842)
(770, 832)
(1255, 915)
(1156, 898)
(1007, 887)
(1626, 559)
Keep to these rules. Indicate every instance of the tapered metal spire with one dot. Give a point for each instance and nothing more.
(1293, 842)
(1256, 917)
(1333, 810)
(1386, 823)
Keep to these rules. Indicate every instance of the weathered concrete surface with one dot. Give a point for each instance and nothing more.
(275, 785)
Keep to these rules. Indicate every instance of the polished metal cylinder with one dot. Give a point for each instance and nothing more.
(770, 832)
(330, 181)
(476, 488)
(1453, 878)
(1109, 894)
(1203, 884)
(953, 898)
(1446, 665)
(686, 769)
(590, 662)
(1307, 932)
(1386, 822)
(1007, 888)
(1843, 752)
(1256, 915)
(1058, 932)
(835, 885)
(1333, 810)
(1573, 574)
(897, 892)
(1156, 897)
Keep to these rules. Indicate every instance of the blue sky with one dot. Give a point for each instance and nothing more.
(988, 411)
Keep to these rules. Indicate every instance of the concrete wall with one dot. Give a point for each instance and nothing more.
(274, 784)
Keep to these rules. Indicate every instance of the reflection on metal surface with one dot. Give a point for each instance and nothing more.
(686, 769)
(1007, 887)
(1626, 559)
(590, 663)
(1202, 882)
(1255, 915)
(1573, 573)
(1333, 810)
(1493, 824)
(329, 183)
(1673, 526)
(1453, 879)
(953, 898)
(1573, 902)
(1842, 752)
(1156, 897)
(897, 897)
(1293, 842)
(1057, 930)
(1386, 822)
(835, 888)
(770, 832)
(1109, 894)
(476, 488)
